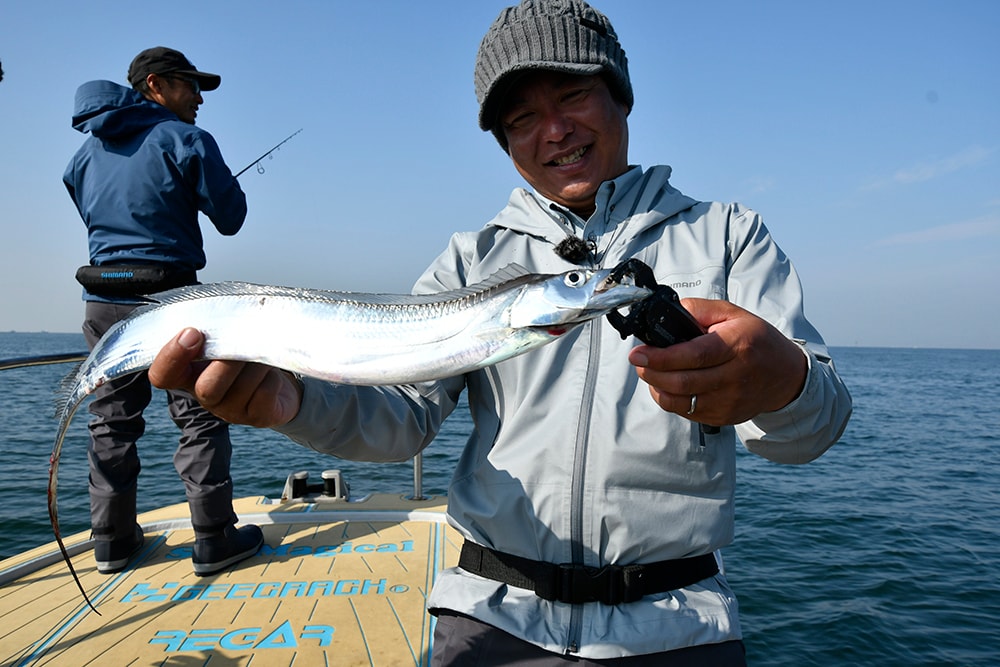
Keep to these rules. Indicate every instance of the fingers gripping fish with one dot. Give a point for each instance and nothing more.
(346, 337)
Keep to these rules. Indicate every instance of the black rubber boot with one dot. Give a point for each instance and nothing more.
(113, 555)
(215, 553)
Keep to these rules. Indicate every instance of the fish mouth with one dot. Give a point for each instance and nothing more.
(615, 279)
(574, 298)
(616, 289)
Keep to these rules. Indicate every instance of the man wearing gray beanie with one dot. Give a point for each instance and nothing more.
(583, 476)
(596, 489)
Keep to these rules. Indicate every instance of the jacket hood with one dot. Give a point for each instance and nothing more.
(109, 111)
(655, 197)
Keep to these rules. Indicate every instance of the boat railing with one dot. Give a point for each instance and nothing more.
(75, 357)
(42, 360)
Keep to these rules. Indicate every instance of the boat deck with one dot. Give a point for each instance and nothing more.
(337, 583)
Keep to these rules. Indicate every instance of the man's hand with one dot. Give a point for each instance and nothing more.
(236, 391)
(742, 367)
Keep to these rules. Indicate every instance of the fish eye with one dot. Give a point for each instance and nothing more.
(575, 278)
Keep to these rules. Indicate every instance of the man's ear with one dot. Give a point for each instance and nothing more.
(155, 83)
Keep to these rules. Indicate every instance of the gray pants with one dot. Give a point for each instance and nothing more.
(202, 458)
(460, 640)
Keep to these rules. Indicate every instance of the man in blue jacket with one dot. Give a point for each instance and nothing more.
(139, 181)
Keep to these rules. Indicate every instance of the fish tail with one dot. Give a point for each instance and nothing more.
(69, 409)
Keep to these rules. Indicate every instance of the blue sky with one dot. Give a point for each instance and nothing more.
(866, 134)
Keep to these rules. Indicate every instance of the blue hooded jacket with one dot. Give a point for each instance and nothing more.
(141, 177)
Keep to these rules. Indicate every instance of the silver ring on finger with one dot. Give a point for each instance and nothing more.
(694, 404)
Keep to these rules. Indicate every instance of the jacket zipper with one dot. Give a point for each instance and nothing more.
(579, 468)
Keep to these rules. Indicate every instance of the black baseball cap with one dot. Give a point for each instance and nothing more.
(163, 61)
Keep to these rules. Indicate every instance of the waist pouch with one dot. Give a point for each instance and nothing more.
(133, 279)
(576, 584)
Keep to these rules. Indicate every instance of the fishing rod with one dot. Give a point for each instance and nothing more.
(260, 170)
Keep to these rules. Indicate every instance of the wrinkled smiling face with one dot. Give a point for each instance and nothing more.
(566, 135)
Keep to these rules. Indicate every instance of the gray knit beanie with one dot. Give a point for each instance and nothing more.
(562, 35)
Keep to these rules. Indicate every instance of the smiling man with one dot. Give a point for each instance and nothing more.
(591, 501)
(139, 182)
(566, 134)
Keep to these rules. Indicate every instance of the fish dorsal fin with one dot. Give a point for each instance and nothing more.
(65, 395)
(511, 275)
(229, 288)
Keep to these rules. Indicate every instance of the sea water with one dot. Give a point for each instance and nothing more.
(882, 552)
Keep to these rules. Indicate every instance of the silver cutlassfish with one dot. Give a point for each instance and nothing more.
(346, 337)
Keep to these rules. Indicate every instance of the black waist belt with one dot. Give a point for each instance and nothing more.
(133, 279)
(575, 584)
